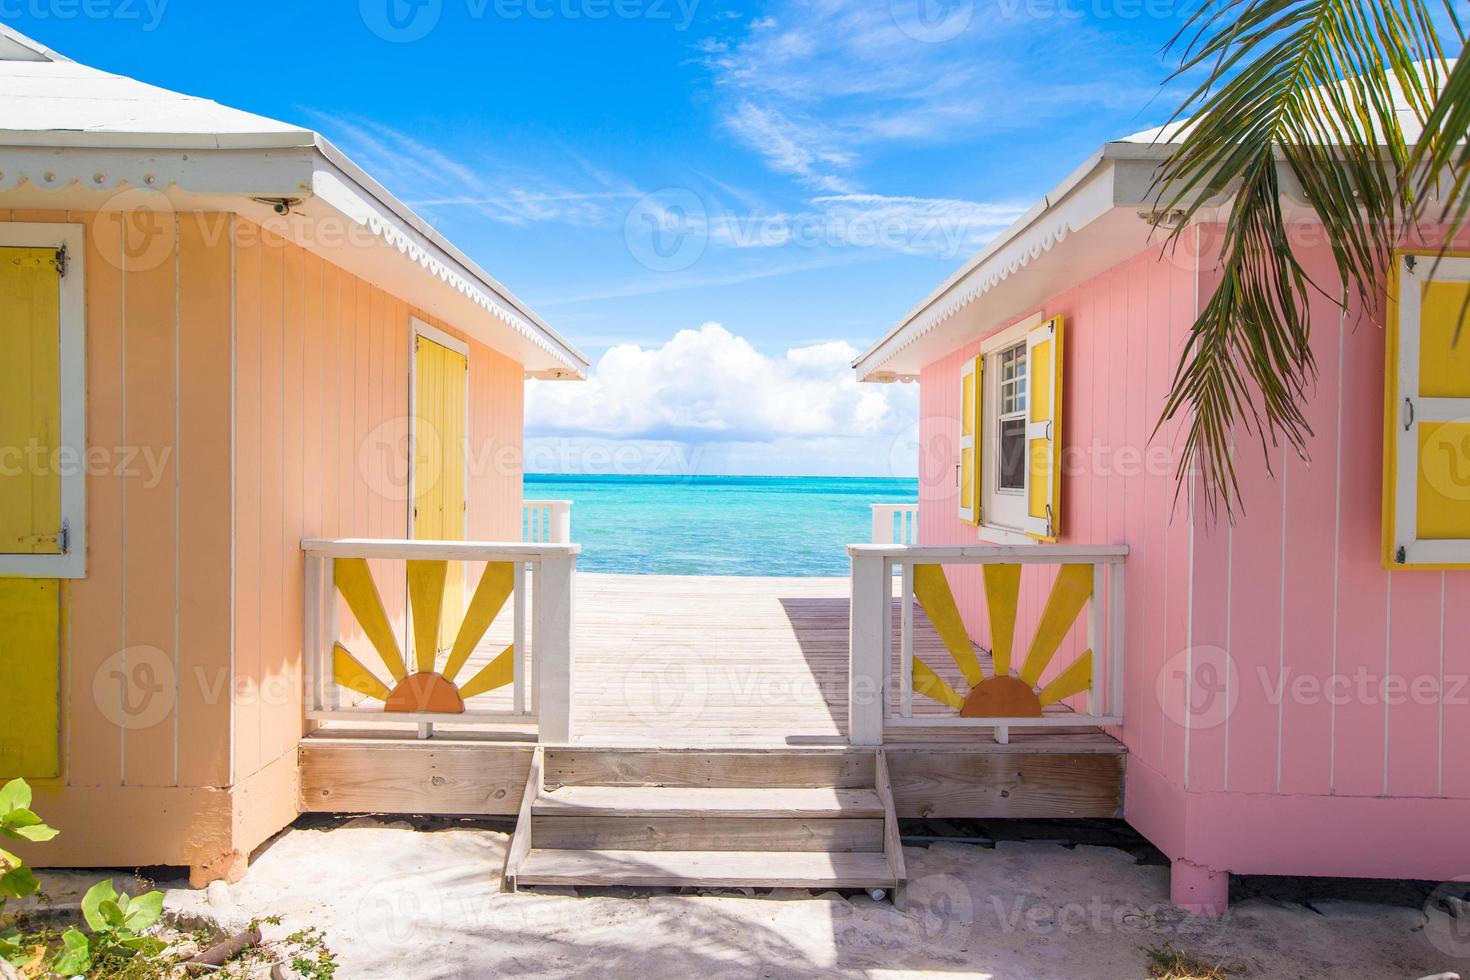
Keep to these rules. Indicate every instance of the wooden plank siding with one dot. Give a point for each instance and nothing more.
(153, 609)
(233, 381)
(321, 405)
(1292, 593)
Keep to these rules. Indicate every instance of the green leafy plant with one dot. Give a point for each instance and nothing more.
(17, 822)
(1329, 94)
(115, 922)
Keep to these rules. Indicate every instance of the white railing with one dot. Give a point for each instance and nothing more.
(349, 576)
(546, 521)
(895, 523)
(873, 706)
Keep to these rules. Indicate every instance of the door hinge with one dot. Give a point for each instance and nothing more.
(61, 260)
(1051, 530)
(1411, 262)
(63, 539)
(1401, 556)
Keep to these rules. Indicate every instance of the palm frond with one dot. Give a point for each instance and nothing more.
(1303, 93)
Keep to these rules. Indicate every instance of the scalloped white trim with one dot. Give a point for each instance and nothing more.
(394, 236)
(977, 283)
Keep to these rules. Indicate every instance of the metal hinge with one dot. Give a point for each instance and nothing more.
(1051, 530)
(64, 538)
(61, 261)
(1401, 556)
(1411, 262)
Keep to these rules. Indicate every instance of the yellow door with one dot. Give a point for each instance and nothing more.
(440, 387)
(30, 510)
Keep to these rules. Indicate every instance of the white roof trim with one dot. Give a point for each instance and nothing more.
(233, 155)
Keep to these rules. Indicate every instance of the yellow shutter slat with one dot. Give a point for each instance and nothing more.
(1044, 431)
(30, 400)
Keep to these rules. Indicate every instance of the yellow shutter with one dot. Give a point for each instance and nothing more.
(1426, 454)
(441, 379)
(30, 402)
(1043, 431)
(30, 689)
(971, 414)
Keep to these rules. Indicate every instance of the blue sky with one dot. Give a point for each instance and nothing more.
(720, 202)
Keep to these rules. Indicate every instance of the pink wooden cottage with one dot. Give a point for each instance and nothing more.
(1292, 690)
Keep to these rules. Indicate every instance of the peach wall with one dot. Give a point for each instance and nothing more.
(153, 611)
(1220, 615)
(200, 326)
(322, 401)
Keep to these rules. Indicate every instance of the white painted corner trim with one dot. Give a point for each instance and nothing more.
(71, 449)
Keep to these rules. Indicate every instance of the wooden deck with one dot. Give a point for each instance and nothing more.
(683, 664)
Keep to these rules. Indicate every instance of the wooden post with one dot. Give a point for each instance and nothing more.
(1095, 703)
(882, 525)
(1117, 602)
(311, 649)
(561, 522)
(867, 649)
(553, 643)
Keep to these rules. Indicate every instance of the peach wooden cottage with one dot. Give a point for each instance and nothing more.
(1291, 689)
(221, 337)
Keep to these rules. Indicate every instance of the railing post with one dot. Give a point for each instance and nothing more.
(882, 524)
(553, 645)
(868, 642)
(561, 522)
(311, 649)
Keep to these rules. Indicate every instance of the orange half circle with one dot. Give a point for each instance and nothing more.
(426, 692)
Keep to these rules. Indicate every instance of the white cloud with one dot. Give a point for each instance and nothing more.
(715, 394)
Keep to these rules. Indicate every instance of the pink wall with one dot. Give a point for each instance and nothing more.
(1219, 615)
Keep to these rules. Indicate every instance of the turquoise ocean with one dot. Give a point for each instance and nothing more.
(719, 525)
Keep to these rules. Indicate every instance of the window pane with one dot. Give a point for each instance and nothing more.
(1011, 474)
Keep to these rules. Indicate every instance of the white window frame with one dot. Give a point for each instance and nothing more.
(418, 328)
(1412, 410)
(72, 445)
(1008, 505)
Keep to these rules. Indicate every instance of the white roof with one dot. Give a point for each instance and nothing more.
(49, 102)
(41, 99)
(1085, 225)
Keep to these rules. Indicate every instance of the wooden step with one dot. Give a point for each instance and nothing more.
(684, 801)
(706, 869)
(702, 833)
(797, 767)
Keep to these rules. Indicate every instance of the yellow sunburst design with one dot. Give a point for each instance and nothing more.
(425, 690)
(1004, 694)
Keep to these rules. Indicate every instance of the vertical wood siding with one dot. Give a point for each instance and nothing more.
(154, 606)
(1263, 616)
(323, 366)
